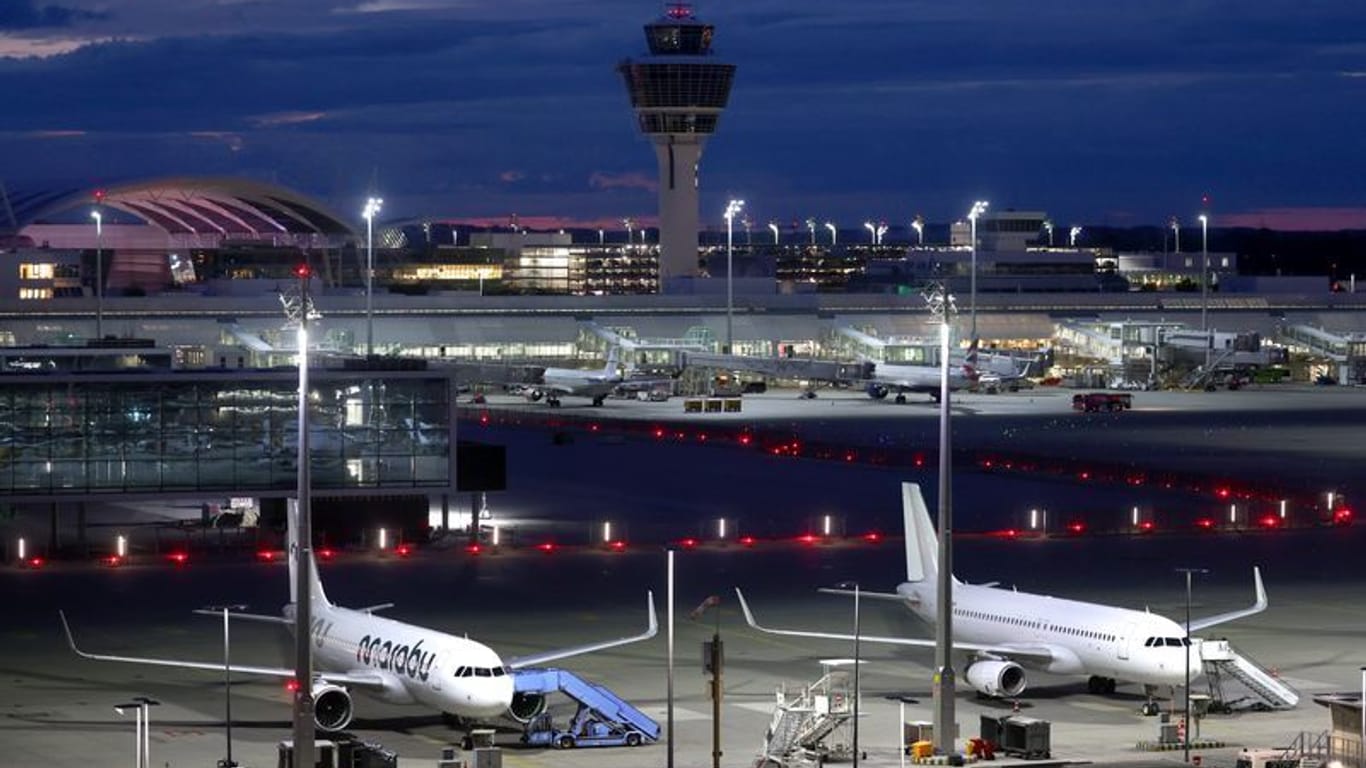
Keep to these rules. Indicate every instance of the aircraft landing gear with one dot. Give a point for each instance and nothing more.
(1150, 707)
(900, 399)
(598, 401)
(552, 401)
(1098, 684)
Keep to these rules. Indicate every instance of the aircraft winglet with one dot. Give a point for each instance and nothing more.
(1258, 605)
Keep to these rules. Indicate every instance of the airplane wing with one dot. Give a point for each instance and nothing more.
(359, 679)
(1257, 607)
(1031, 653)
(537, 659)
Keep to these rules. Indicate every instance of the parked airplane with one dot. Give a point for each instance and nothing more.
(1004, 630)
(396, 662)
(577, 382)
(885, 378)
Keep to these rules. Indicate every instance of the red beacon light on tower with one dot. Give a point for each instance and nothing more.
(303, 271)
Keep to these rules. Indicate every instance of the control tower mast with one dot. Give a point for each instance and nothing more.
(678, 92)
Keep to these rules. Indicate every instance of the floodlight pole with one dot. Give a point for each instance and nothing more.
(1186, 736)
(99, 272)
(944, 680)
(303, 554)
(372, 206)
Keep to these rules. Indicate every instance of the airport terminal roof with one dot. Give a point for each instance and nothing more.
(213, 205)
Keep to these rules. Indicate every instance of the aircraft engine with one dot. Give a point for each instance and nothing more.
(876, 391)
(534, 395)
(994, 677)
(526, 707)
(331, 707)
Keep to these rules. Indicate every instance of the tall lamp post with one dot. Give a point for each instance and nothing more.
(372, 206)
(978, 208)
(1048, 225)
(227, 676)
(733, 207)
(872, 232)
(137, 728)
(99, 273)
(1072, 236)
(773, 226)
(811, 226)
(834, 237)
(941, 307)
(857, 637)
(302, 546)
(881, 230)
(1187, 642)
(1176, 228)
(1204, 285)
(919, 226)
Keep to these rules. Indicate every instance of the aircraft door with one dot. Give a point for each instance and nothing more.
(1122, 642)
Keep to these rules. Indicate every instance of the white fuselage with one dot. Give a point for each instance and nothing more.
(917, 378)
(419, 666)
(1083, 638)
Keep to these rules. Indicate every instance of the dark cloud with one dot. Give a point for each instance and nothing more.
(848, 110)
(26, 14)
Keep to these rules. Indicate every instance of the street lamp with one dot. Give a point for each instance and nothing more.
(881, 230)
(941, 306)
(732, 208)
(227, 676)
(872, 232)
(99, 273)
(773, 225)
(602, 237)
(857, 636)
(146, 705)
(1204, 285)
(830, 225)
(978, 208)
(372, 206)
(1072, 236)
(1176, 227)
(1187, 642)
(628, 223)
(1048, 225)
(919, 226)
(137, 728)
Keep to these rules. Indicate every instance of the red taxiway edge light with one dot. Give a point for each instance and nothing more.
(808, 538)
(266, 555)
(616, 546)
(327, 553)
(403, 550)
(1270, 521)
(179, 558)
(689, 543)
(1205, 524)
(747, 541)
(546, 546)
(1076, 528)
(1146, 526)
(473, 549)
(872, 537)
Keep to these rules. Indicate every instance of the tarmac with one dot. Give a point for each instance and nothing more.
(58, 709)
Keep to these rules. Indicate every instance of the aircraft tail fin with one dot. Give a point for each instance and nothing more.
(613, 366)
(319, 597)
(922, 548)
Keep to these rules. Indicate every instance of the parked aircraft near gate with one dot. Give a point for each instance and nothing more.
(885, 378)
(594, 385)
(1004, 630)
(397, 662)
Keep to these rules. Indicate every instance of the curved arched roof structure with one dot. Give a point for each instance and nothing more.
(186, 205)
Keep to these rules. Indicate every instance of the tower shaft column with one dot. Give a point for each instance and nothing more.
(678, 157)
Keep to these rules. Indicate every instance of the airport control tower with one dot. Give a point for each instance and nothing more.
(678, 92)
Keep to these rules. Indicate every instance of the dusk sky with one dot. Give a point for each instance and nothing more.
(1118, 112)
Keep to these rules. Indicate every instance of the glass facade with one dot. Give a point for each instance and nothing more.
(74, 435)
(665, 86)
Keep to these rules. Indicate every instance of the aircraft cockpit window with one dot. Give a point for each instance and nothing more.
(483, 672)
(459, 672)
(1185, 641)
(1150, 642)
(499, 671)
(1174, 641)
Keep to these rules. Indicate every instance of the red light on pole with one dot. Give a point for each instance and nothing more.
(303, 271)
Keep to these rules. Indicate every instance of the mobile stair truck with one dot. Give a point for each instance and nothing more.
(603, 719)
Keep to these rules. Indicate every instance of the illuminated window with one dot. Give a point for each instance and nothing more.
(29, 294)
(37, 271)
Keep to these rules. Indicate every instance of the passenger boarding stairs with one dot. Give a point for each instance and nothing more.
(1200, 375)
(1221, 661)
(595, 701)
(804, 721)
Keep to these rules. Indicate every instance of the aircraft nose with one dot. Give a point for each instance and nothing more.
(493, 697)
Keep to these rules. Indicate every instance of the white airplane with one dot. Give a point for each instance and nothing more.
(576, 382)
(396, 662)
(1003, 631)
(885, 378)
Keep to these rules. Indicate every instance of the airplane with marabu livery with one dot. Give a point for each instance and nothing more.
(394, 661)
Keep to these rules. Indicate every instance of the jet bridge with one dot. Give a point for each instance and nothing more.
(602, 719)
(1222, 661)
(779, 367)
